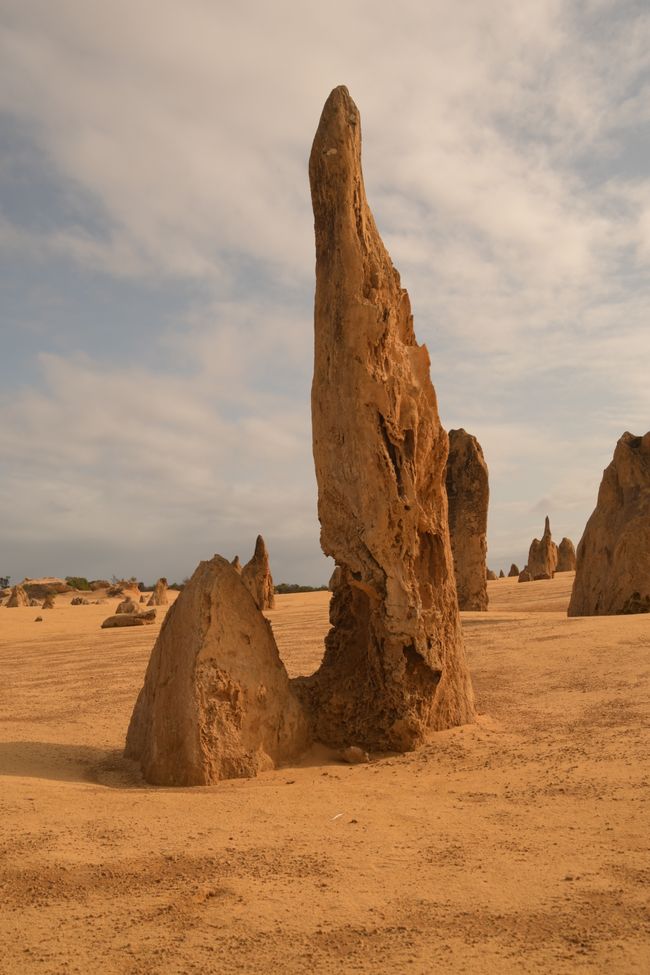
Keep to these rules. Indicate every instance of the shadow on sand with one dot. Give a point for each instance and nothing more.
(69, 763)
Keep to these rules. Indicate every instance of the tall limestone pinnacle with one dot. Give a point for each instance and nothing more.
(394, 666)
(468, 494)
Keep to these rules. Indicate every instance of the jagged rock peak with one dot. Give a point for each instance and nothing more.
(394, 666)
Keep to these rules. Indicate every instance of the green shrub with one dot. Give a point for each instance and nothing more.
(78, 582)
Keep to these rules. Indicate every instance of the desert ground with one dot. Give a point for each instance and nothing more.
(518, 844)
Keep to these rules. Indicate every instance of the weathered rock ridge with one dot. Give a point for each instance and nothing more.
(394, 665)
(256, 576)
(216, 701)
(613, 557)
(130, 619)
(468, 495)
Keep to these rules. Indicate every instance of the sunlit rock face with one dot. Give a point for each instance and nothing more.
(394, 666)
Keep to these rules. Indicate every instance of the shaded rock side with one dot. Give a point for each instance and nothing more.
(514, 571)
(335, 579)
(17, 597)
(394, 665)
(159, 595)
(48, 602)
(490, 575)
(566, 556)
(543, 555)
(127, 606)
(613, 557)
(468, 495)
(525, 576)
(256, 576)
(216, 701)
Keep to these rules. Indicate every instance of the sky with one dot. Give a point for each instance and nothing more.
(157, 261)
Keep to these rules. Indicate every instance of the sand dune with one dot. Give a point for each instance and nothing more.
(515, 845)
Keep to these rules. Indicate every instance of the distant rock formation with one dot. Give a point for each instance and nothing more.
(34, 602)
(216, 701)
(48, 602)
(490, 575)
(566, 556)
(468, 494)
(17, 597)
(130, 619)
(99, 584)
(613, 558)
(127, 607)
(394, 666)
(256, 576)
(236, 564)
(525, 576)
(159, 594)
(40, 588)
(125, 587)
(502, 574)
(514, 571)
(543, 555)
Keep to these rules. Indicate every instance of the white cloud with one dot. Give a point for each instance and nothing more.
(502, 162)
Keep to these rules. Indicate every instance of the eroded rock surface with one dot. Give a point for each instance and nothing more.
(394, 665)
(159, 595)
(613, 557)
(130, 619)
(256, 576)
(17, 597)
(542, 555)
(128, 606)
(468, 494)
(216, 701)
(566, 556)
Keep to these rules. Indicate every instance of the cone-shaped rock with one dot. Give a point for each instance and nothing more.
(468, 495)
(216, 701)
(514, 571)
(236, 564)
(256, 576)
(566, 556)
(17, 597)
(159, 595)
(394, 664)
(542, 555)
(613, 557)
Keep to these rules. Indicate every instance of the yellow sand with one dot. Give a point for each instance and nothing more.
(516, 845)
